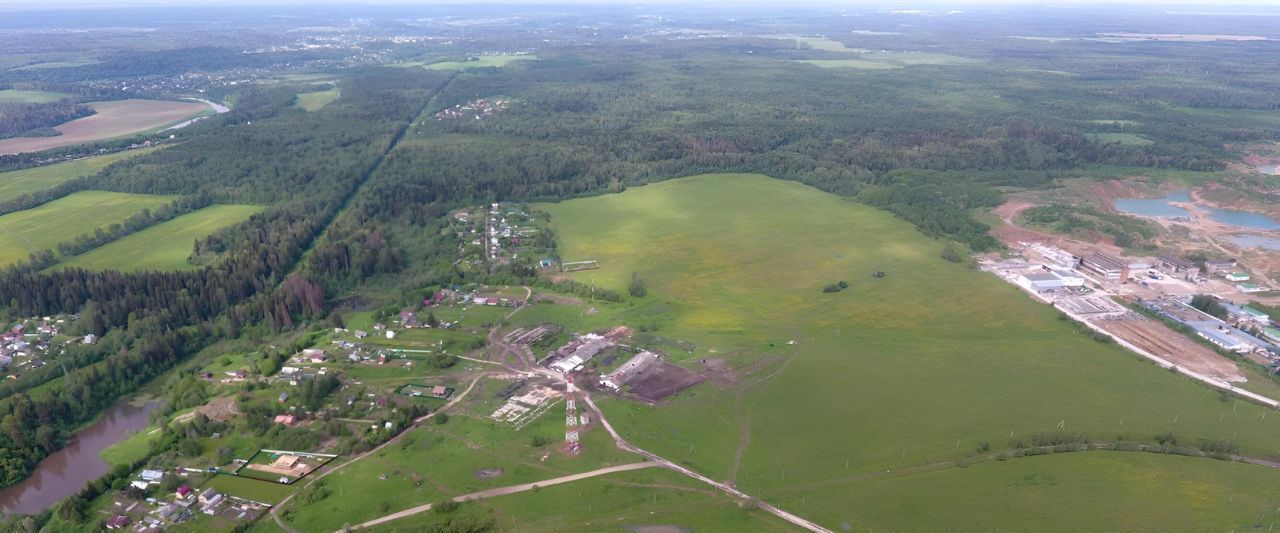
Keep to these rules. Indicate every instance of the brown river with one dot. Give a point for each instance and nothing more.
(66, 471)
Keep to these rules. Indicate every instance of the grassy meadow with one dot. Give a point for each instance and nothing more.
(434, 461)
(18, 182)
(1133, 139)
(58, 64)
(614, 502)
(64, 219)
(890, 60)
(480, 62)
(1121, 491)
(915, 368)
(164, 246)
(850, 63)
(14, 96)
(315, 101)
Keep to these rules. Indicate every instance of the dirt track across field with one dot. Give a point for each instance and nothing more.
(1158, 339)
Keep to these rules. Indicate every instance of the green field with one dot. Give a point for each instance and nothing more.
(917, 367)
(1123, 138)
(64, 219)
(850, 63)
(1115, 122)
(482, 61)
(58, 64)
(1089, 491)
(822, 43)
(434, 461)
(261, 491)
(651, 497)
(890, 60)
(314, 101)
(130, 449)
(164, 246)
(11, 96)
(18, 182)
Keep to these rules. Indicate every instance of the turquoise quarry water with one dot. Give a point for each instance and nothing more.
(1156, 207)
(1256, 241)
(1160, 207)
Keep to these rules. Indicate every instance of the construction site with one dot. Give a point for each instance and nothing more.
(282, 466)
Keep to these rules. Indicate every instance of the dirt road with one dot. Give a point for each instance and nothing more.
(622, 443)
(276, 516)
(457, 398)
(502, 349)
(513, 489)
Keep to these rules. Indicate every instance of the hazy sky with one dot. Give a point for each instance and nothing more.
(903, 4)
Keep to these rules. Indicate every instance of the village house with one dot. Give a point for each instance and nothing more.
(118, 522)
(286, 420)
(183, 492)
(314, 355)
(208, 495)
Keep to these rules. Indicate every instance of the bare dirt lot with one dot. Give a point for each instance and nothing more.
(113, 119)
(1010, 233)
(662, 380)
(220, 409)
(1158, 339)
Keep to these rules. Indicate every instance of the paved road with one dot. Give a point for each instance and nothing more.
(513, 489)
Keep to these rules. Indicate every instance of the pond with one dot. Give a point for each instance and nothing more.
(1156, 207)
(1161, 207)
(1256, 241)
(65, 471)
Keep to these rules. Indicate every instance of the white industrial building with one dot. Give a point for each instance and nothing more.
(1049, 279)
